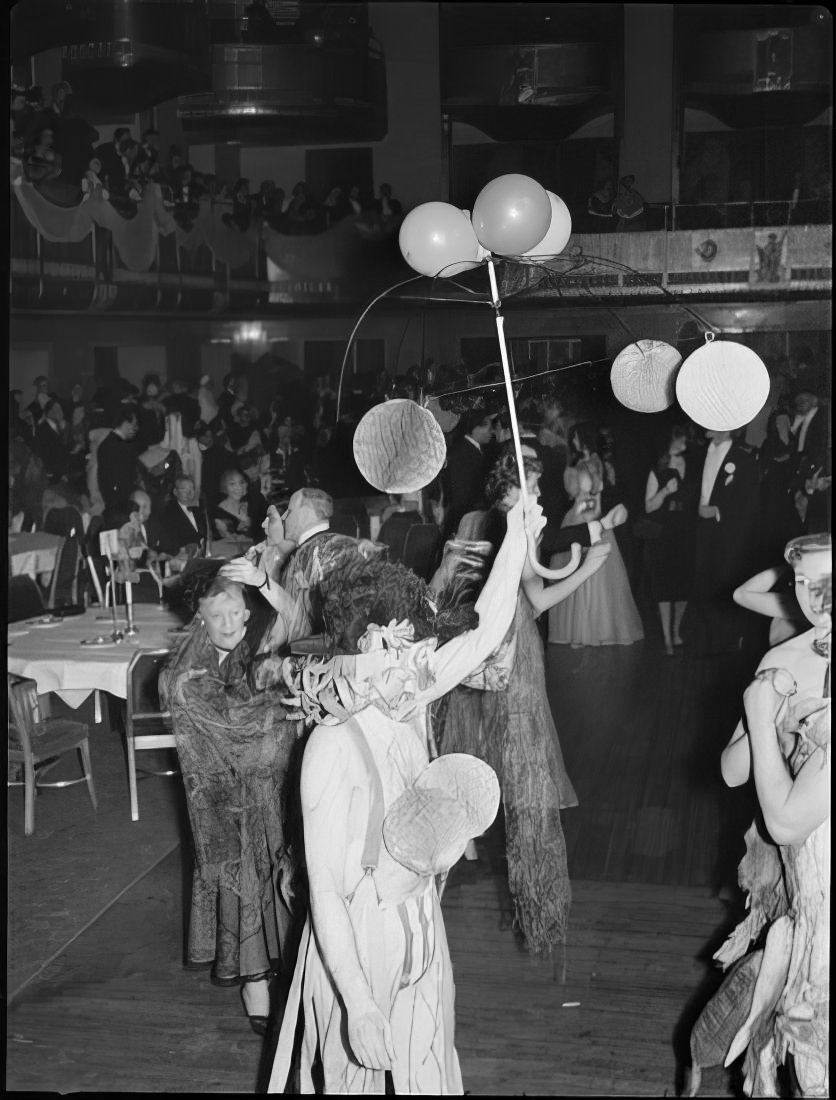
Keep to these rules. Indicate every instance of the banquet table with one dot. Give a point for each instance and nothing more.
(33, 552)
(51, 652)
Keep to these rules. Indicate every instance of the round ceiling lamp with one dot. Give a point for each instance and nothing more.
(643, 375)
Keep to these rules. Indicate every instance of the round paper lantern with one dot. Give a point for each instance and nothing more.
(437, 239)
(643, 375)
(399, 447)
(511, 214)
(559, 231)
(722, 385)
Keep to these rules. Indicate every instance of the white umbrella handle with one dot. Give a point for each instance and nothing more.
(540, 570)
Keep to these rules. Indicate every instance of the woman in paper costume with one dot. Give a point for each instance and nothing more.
(774, 1003)
(373, 977)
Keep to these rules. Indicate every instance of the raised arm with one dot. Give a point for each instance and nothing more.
(756, 595)
(496, 605)
(291, 612)
(792, 807)
(542, 597)
(329, 803)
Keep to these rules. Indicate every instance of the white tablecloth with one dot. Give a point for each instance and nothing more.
(55, 659)
(33, 553)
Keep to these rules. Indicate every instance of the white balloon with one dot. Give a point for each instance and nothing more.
(559, 231)
(643, 375)
(722, 385)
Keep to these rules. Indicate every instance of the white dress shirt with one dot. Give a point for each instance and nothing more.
(713, 461)
(800, 426)
(190, 516)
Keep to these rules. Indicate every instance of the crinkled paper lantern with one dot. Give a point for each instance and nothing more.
(399, 447)
(452, 801)
(722, 385)
(643, 375)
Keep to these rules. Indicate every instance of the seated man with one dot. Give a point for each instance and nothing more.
(373, 976)
(182, 523)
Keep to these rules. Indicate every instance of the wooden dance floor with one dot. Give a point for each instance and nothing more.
(100, 1001)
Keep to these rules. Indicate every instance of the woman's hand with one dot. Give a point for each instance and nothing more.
(370, 1038)
(764, 698)
(244, 572)
(671, 486)
(535, 520)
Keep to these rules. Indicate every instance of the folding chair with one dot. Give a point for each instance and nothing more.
(39, 743)
(147, 724)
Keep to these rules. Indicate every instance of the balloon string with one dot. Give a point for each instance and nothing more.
(519, 380)
(359, 322)
(506, 372)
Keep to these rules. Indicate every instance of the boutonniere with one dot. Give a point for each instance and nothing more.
(730, 467)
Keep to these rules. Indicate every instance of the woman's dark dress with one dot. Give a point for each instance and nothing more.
(234, 747)
(670, 557)
(235, 525)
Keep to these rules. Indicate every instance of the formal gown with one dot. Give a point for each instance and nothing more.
(602, 611)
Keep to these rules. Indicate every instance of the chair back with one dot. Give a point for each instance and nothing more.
(345, 524)
(420, 551)
(65, 521)
(394, 531)
(63, 591)
(143, 695)
(24, 713)
(25, 600)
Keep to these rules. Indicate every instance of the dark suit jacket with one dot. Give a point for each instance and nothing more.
(724, 548)
(52, 451)
(175, 531)
(814, 456)
(465, 477)
(116, 461)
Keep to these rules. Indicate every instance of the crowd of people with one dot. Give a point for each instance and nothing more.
(63, 156)
(421, 680)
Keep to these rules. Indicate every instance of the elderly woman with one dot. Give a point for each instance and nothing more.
(775, 1002)
(234, 746)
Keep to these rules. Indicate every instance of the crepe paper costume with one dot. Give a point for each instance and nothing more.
(234, 747)
(781, 1006)
(509, 725)
(354, 772)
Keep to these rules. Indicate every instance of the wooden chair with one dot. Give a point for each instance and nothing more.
(420, 549)
(147, 724)
(39, 743)
(25, 599)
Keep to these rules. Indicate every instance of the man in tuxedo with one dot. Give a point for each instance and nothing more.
(181, 523)
(319, 550)
(117, 460)
(810, 433)
(468, 462)
(726, 529)
(49, 442)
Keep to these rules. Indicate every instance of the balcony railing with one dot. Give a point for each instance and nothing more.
(688, 250)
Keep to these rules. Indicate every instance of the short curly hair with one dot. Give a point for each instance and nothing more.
(504, 476)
